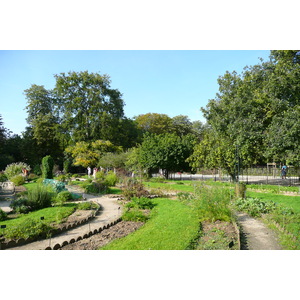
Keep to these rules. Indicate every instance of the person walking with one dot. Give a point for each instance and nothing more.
(89, 171)
(283, 171)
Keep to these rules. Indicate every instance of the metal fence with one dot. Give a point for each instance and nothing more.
(255, 175)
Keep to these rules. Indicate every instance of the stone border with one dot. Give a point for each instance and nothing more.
(86, 235)
(238, 233)
(54, 231)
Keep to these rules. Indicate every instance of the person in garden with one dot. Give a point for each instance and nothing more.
(283, 171)
(89, 171)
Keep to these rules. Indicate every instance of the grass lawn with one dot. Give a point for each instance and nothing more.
(21, 225)
(287, 201)
(172, 226)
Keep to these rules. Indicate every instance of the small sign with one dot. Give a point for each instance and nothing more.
(42, 218)
(3, 226)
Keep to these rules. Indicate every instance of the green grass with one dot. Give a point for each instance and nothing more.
(288, 201)
(172, 226)
(171, 186)
(50, 214)
(29, 186)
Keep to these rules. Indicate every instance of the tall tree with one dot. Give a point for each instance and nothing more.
(89, 108)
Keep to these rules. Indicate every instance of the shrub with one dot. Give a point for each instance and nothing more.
(62, 197)
(3, 177)
(111, 179)
(32, 176)
(143, 203)
(47, 167)
(100, 175)
(134, 215)
(39, 197)
(95, 187)
(15, 169)
(133, 188)
(3, 215)
(18, 180)
(20, 205)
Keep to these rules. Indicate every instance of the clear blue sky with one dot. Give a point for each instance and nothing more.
(172, 82)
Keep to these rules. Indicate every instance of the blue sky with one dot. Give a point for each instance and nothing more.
(172, 82)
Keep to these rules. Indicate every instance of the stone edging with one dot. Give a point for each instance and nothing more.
(55, 231)
(236, 227)
(86, 235)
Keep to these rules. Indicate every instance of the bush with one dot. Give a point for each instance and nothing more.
(100, 175)
(18, 180)
(40, 197)
(95, 187)
(3, 215)
(62, 197)
(15, 169)
(20, 205)
(111, 179)
(143, 203)
(134, 215)
(47, 167)
(3, 177)
(133, 188)
(32, 176)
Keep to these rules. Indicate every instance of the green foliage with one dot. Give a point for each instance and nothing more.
(255, 207)
(133, 188)
(166, 151)
(62, 197)
(3, 177)
(3, 215)
(98, 187)
(134, 215)
(39, 197)
(141, 203)
(30, 224)
(29, 228)
(87, 206)
(15, 169)
(47, 167)
(18, 180)
(32, 176)
(20, 205)
(100, 176)
(111, 179)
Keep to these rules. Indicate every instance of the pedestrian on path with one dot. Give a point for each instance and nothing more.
(283, 171)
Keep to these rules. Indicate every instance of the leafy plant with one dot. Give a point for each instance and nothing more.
(40, 197)
(135, 215)
(111, 179)
(57, 186)
(20, 205)
(62, 197)
(47, 167)
(255, 207)
(18, 180)
(3, 177)
(15, 169)
(87, 206)
(133, 188)
(3, 215)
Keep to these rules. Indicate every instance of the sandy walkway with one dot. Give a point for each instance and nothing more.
(257, 236)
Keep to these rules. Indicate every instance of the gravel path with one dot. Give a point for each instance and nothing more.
(256, 236)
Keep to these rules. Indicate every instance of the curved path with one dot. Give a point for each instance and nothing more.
(255, 235)
(111, 211)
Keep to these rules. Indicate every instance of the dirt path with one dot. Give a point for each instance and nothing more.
(255, 235)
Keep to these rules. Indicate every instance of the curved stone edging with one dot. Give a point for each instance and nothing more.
(54, 231)
(86, 235)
